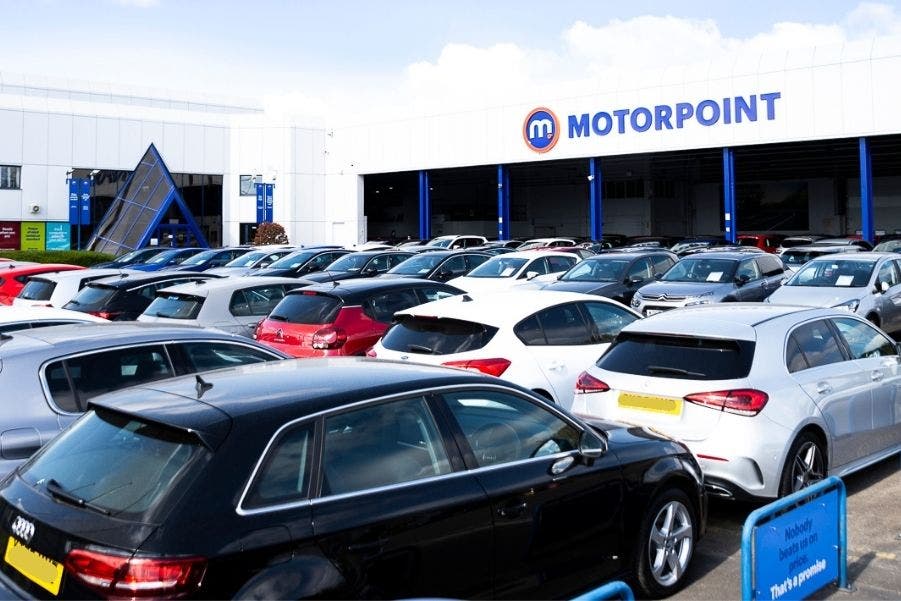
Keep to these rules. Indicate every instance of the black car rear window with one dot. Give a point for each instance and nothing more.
(692, 358)
(307, 308)
(432, 336)
(91, 297)
(116, 463)
(38, 290)
(175, 306)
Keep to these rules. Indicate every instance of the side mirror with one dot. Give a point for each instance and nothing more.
(742, 279)
(370, 272)
(592, 445)
(658, 276)
(635, 280)
(530, 275)
(884, 286)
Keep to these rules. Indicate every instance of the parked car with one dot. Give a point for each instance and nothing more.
(365, 480)
(168, 258)
(795, 257)
(130, 258)
(234, 305)
(697, 243)
(546, 242)
(344, 319)
(208, 259)
(25, 318)
(615, 275)
(124, 297)
(56, 371)
(848, 241)
(440, 266)
(766, 242)
(56, 289)
(892, 245)
(769, 398)
(539, 340)
(255, 259)
(362, 264)
(13, 278)
(802, 240)
(580, 251)
(301, 262)
(454, 241)
(712, 277)
(511, 269)
(868, 284)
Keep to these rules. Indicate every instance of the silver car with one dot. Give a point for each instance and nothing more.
(769, 398)
(868, 284)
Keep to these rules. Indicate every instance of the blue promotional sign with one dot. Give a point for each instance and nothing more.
(73, 201)
(268, 212)
(85, 199)
(58, 236)
(797, 553)
(79, 201)
(261, 203)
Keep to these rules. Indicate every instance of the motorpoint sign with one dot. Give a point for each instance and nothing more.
(541, 128)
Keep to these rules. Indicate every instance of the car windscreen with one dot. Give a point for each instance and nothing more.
(834, 273)
(418, 265)
(307, 308)
(247, 259)
(37, 289)
(350, 262)
(114, 463)
(200, 258)
(431, 336)
(701, 270)
(889, 246)
(747, 241)
(799, 257)
(792, 242)
(293, 260)
(163, 257)
(91, 297)
(597, 270)
(175, 306)
(498, 267)
(685, 357)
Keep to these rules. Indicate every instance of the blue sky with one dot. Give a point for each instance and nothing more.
(318, 52)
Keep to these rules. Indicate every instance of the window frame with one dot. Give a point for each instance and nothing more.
(7, 171)
(839, 340)
(250, 178)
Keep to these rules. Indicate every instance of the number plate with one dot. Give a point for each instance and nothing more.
(655, 404)
(649, 312)
(34, 566)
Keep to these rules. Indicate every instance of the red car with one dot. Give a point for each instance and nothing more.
(343, 318)
(768, 242)
(13, 278)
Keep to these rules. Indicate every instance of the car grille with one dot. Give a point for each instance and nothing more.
(662, 297)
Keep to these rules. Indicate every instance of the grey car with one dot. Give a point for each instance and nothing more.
(795, 257)
(50, 374)
(712, 277)
(868, 284)
(769, 398)
(615, 275)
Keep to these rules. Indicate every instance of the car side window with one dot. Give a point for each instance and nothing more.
(538, 266)
(564, 325)
(529, 332)
(473, 261)
(888, 274)
(863, 340)
(454, 265)
(284, 475)
(817, 345)
(262, 300)
(238, 305)
(381, 445)
(748, 269)
(608, 320)
(396, 260)
(60, 388)
(382, 307)
(429, 293)
(502, 428)
(662, 264)
(770, 266)
(193, 357)
(556, 264)
(640, 268)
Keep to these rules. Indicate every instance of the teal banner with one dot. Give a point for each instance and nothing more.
(58, 236)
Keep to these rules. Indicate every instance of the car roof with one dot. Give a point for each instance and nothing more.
(270, 391)
(720, 254)
(633, 254)
(36, 268)
(533, 254)
(351, 291)
(499, 309)
(128, 278)
(855, 256)
(205, 287)
(373, 253)
(80, 274)
(844, 248)
(18, 313)
(720, 320)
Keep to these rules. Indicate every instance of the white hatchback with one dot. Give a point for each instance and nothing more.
(506, 271)
(541, 340)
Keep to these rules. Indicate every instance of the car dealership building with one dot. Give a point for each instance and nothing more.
(795, 141)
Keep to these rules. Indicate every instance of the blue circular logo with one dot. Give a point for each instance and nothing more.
(540, 130)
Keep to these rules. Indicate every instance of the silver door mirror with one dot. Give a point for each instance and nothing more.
(592, 445)
(530, 275)
(884, 286)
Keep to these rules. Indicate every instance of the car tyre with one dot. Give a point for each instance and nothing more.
(804, 464)
(665, 544)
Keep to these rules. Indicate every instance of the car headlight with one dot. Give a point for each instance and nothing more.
(636, 300)
(851, 305)
(703, 299)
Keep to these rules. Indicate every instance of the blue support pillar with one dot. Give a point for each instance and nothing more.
(425, 207)
(595, 200)
(729, 217)
(867, 227)
(503, 202)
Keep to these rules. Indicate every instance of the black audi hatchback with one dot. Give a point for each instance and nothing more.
(367, 480)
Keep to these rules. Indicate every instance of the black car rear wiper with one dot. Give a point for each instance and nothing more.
(278, 317)
(418, 348)
(663, 369)
(56, 489)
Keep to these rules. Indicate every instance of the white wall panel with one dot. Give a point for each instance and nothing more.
(11, 126)
(34, 191)
(130, 143)
(152, 133)
(173, 144)
(35, 138)
(194, 148)
(59, 140)
(10, 205)
(84, 141)
(107, 143)
(214, 150)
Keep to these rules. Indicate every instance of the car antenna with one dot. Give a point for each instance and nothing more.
(202, 386)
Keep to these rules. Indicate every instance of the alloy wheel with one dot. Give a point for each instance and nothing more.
(670, 547)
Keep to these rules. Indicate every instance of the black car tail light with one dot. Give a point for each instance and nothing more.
(742, 401)
(114, 575)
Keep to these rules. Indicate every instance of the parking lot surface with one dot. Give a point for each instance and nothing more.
(874, 542)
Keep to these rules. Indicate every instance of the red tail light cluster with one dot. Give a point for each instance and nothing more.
(127, 576)
(492, 367)
(329, 337)
(110, 315)
(588, 383)
(743, 401)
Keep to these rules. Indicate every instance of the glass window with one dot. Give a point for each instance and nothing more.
(284, 475)
(394, 260)
(608, 320)
(61, 389)
(529, 332)
(381, 445)
(662, 264)
(863, 340)
(106, 371)
(473, 261)
(382, 307)
(829, 273)
(502, 428)
(597, 270)
(307, 307)
(664, 356)
(794, 358)
(818, 344)
(748, 270)
(262, 300)
(770, 265)
(247, 185)
(498, 267)
(564, 325)
(205, 356)
(454, 266)
(429, 293)
(175, 306)
(887, 273)
(640, 268)
(436, 336)
(37, 289)
(10, 177)
(557, 264)
(701, 270)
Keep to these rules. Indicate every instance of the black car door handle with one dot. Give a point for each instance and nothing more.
(513, 511)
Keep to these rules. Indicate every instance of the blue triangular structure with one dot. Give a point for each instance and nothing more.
(140, 207)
